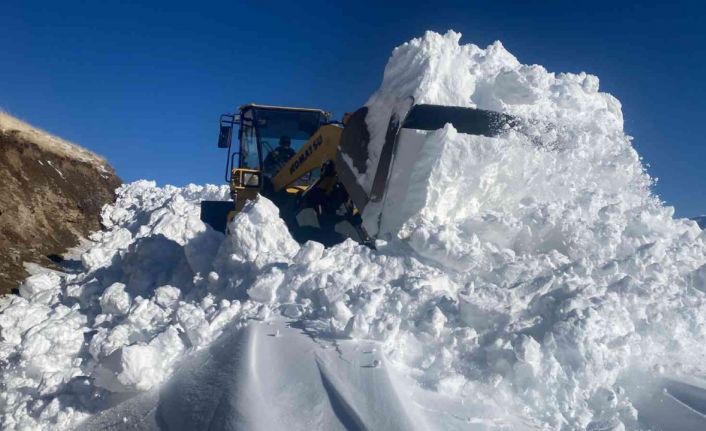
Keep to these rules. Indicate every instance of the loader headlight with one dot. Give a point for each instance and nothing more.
(251, 179)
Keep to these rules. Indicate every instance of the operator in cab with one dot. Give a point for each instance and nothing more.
(279, 156)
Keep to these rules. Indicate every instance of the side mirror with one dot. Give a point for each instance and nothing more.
(226, 132)
(224, 136)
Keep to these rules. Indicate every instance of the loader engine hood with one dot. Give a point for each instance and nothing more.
(365, 167)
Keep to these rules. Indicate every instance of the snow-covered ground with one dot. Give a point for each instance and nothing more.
(528, 281)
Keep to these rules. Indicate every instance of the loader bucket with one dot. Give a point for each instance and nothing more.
(352, 159)
(215, 214)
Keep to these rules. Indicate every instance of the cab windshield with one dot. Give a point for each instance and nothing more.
(275, 125)
(270, 137)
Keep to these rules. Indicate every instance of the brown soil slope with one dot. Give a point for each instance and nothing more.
(51, 193)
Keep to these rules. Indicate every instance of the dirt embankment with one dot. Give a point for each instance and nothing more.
(51, 193)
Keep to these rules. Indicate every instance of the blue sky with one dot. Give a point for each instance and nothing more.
(143, 83)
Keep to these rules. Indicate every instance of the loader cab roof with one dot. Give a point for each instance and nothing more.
(274, 122)
(250, 106)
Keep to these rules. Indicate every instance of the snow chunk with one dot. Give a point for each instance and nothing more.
(115, 300)
(167, 296)
(264, 289)
(259, 235)
(46, 283)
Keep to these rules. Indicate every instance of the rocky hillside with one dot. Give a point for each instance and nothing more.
(51, 194)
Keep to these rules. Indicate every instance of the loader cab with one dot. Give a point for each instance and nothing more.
(307, 170)
(261, 128)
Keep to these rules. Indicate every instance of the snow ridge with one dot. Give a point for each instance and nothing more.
(701, 221)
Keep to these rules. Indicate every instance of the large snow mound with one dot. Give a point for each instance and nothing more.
(571, 139)
(525, 276)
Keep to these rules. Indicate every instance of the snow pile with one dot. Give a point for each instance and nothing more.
(530, 275)
(117, 322)
(563, 263)
(470, 174)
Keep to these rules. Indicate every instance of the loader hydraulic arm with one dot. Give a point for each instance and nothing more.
(322, 146)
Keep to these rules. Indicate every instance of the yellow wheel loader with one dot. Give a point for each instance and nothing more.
(309, 165)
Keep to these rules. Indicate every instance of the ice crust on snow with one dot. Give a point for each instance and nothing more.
(532, 274)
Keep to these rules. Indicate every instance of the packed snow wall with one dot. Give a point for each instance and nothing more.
(529, 276)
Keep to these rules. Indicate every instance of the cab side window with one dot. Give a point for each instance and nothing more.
(248, 152)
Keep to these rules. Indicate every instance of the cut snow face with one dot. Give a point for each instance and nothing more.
(571, 140)
(529, 280)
